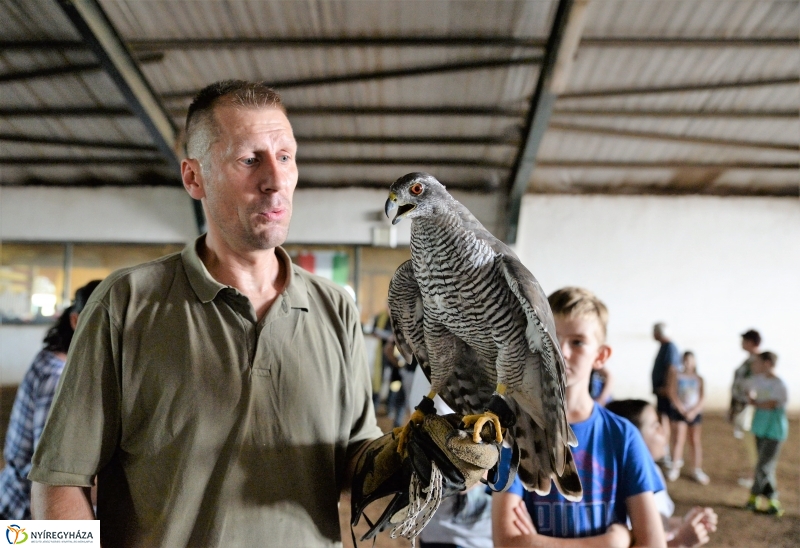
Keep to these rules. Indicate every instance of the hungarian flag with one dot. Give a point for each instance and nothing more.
(333, 265)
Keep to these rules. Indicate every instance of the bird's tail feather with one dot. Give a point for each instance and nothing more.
(537, 466)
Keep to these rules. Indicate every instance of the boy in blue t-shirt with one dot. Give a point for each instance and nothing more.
(617, 473)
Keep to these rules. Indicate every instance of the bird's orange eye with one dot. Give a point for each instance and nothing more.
(416, 189)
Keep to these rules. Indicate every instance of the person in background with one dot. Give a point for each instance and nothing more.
(695, 528)
(601, 385)
(616, 471)
(685, 391)
(740, 414)
(667, 357)
(31, 405)
(768, 394)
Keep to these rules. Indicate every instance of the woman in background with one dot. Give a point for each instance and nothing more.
(31, 405)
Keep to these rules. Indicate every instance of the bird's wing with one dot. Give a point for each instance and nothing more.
(405, 309)
(545, 397)
(469, 388)
(471, 223)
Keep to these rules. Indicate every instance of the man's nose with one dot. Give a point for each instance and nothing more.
(273, 175)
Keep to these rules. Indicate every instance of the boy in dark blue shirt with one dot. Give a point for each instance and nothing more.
(616, 470)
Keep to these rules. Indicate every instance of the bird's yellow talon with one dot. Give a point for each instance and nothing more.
(402, 433)
(479, 420)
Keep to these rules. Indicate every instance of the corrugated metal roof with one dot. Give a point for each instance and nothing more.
(349, 101)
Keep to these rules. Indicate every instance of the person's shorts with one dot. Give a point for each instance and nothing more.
(675, 416)
(663, 406)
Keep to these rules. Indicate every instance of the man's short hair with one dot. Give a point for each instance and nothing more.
(753, 336)
(660, 329)
(771, 357)
(574, 302)
(201, 127)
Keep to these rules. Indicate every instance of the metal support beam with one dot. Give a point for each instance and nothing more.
(619, 92)
(62, 70)
(144, 161)
(55, 161)
(479, 110)
(64, 112)
(676, 113)
(383, 161)
(664, 164)
(442, 68)
(70, 142)
(469, 41)
(688, 139)
(449, 140)
(103, 39)
(562, 43)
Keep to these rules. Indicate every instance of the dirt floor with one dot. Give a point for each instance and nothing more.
(725, 462)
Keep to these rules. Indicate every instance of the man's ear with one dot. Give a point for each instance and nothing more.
(603, 354)
(192, 178)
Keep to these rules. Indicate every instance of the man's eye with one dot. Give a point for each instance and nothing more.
(249, 161)
(577, 343)
(284, 157)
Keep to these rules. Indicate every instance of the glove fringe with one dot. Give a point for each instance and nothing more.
(419, 512)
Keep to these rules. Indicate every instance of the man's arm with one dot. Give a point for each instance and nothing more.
(646, 526)
(60, 502)
(512, 526)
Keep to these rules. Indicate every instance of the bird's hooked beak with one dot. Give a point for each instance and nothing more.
(402, 209)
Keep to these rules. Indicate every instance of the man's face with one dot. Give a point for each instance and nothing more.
(249, 184)
(580, 344)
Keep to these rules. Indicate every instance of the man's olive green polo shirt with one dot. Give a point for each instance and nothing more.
(204, 426)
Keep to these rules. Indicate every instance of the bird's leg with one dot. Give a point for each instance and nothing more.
(402, 433)
(497, 412)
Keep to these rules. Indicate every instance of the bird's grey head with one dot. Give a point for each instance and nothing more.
(415, 195)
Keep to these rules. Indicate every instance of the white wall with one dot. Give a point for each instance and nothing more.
(165, 215)
(709, 267)
(349, 215)
(104, 214)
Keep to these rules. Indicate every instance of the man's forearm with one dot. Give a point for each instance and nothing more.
(61, 502)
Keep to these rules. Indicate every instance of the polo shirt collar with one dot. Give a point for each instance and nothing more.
(206, 287)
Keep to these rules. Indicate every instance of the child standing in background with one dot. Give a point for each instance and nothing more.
(685, 392)
(767, 392)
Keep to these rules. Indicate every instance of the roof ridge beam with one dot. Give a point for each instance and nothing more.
(617, 92)
(688, 139)
(62, 70)
(422, 70)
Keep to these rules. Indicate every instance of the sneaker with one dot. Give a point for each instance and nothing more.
(673, 474)
(747, 483)
(774, 508)
(700, 477)
(751, 503)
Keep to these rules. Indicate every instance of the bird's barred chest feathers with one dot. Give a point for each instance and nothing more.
(461, 285)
